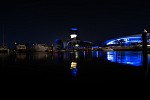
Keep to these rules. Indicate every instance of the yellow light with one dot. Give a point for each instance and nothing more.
(73, 65)
(77, 45)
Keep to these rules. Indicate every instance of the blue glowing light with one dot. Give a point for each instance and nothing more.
(74, 71)
(126, 57)
(74, 29)
(128, 39)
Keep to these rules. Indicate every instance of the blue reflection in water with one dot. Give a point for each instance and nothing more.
(95, 54)
(74, 71)
(134, 58)
(126, 57)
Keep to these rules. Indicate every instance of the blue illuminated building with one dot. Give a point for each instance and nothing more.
(132, 40)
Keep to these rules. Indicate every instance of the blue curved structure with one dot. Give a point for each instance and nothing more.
(128, 40)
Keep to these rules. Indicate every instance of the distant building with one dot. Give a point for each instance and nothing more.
(23, 47)
(73, 43)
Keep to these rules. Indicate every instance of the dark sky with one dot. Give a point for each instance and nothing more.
(44, 21)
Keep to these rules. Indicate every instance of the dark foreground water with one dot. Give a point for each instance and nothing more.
(72, 68)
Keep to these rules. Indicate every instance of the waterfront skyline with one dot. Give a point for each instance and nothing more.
(31, 21)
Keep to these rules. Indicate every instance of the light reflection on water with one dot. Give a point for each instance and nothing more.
(4, 57)
(21, 56)
(67, 65)
(74, 68)
(39, 55)
(134, 58)
(124, 57)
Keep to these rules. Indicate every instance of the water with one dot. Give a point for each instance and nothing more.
(124, 57)
(86, 67)
(134, 58)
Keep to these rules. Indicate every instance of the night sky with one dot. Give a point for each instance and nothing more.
(43, 21)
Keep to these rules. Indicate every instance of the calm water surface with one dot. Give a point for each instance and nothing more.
(123, 57)
(70, 66)
(126, 57)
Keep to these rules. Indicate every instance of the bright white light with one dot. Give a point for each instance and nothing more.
(77, 45)
(145, 31)
(73, 36)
